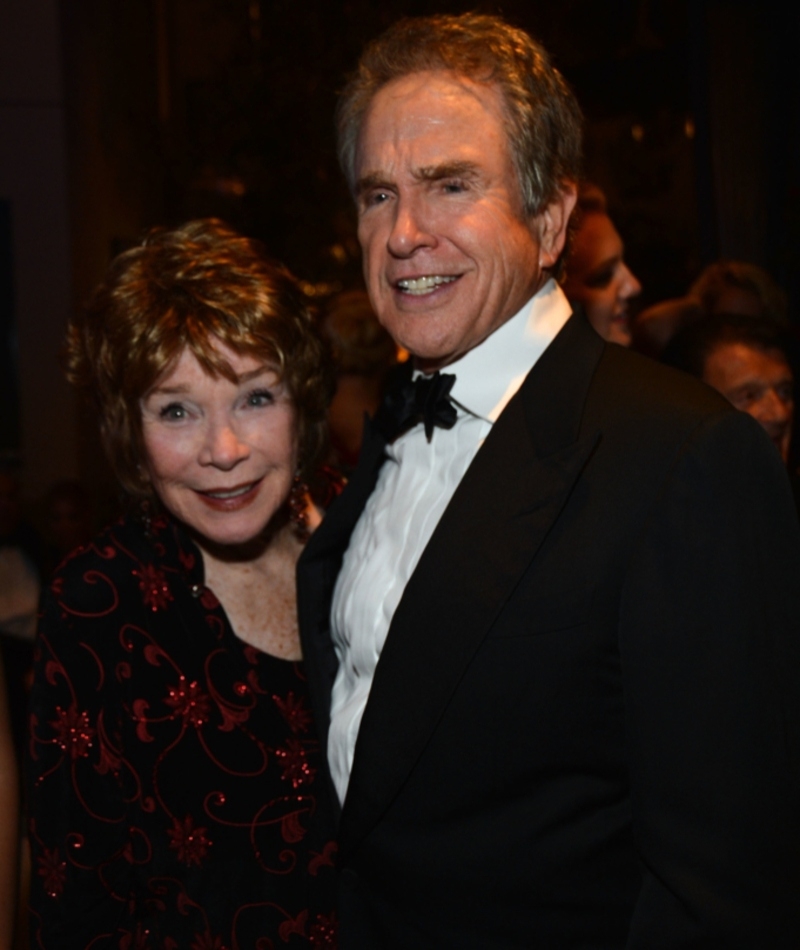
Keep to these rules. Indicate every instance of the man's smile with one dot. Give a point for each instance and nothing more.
(417, 286)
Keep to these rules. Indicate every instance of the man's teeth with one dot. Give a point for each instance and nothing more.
(234, 493)
(423, 285)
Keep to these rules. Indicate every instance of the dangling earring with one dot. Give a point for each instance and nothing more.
(298, 502)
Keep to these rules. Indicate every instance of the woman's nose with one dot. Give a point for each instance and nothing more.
(222, 446)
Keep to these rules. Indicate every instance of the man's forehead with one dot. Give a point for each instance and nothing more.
(741, 356)
(438, 107)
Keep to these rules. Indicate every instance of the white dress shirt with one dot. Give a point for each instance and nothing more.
(413, 489)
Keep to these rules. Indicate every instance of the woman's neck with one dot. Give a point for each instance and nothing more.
(256, 586)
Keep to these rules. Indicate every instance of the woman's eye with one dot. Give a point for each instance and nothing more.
(172, 412)
(260, 397)
(601, 279)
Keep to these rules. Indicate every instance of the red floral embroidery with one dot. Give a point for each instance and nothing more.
(189, 701)
(296, 925)
(323, 931)
(325, 859)
(295, 712)
(191, 843)
(53, 870)
(209, 599)
(154, 587)
(205, 941)
(296, 767)
(292, 829)
(73, 732)
(136, 941)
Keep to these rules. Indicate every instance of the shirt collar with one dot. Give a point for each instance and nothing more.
(491, 373)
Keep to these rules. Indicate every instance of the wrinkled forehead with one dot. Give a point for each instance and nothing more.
(745, 359)
(431, 106)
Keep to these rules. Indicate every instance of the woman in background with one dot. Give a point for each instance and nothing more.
(597, 276)
(176, 790)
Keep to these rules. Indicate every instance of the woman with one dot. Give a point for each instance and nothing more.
(597, 276)
(177, 797)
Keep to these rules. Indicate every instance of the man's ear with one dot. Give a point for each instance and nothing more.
(552, 224)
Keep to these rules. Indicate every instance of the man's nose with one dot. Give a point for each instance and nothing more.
(409, 230)
(776, 407)
(222, 447)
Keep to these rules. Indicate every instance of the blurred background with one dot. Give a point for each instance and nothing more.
(116, 115)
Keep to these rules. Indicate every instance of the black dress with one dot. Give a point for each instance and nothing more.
(177, 792)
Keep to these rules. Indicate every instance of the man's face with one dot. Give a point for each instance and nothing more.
(599, 278)
(448, 254)
(758, 382)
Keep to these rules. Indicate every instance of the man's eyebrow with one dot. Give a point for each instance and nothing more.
(459, 169)
(368, 182)
(455, 169)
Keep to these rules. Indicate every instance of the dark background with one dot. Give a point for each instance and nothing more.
(691, 111)
(173, 109)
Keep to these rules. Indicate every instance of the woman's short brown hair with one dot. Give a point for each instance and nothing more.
(193, 286)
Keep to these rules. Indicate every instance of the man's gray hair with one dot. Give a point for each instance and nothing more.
(543, 118)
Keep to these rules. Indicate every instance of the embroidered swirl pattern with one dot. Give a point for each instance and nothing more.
(175, 799)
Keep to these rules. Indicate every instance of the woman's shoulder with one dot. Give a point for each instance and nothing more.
(93, 576)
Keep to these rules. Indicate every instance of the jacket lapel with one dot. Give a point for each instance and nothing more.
(498, 517)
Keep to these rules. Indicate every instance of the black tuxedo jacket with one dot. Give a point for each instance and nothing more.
(582, 731)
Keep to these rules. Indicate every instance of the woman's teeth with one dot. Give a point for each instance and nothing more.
(233, 493)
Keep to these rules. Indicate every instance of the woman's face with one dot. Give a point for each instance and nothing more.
(599, 278)
(221, 456)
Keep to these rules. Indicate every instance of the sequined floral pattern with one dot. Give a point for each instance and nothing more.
(174, 770)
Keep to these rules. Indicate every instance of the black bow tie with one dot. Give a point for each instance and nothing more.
(427, 400)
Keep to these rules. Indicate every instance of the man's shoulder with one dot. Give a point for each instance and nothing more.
(629, 386)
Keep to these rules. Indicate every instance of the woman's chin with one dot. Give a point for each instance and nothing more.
(239, 541)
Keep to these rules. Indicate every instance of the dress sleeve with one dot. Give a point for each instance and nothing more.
(82, 852)
(710, 646)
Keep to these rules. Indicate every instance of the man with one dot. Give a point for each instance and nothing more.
(744, 358)
(598, 277)
(557, 682)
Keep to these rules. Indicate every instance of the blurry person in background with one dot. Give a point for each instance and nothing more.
(173, 790)
(21, 572)
(363, 353)
(9, 821)
(20, 561)
(746, 358)
(736, 287)
(724, 287)
(597, 276)
(70, 521)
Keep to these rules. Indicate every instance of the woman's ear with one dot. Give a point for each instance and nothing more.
(552, 224)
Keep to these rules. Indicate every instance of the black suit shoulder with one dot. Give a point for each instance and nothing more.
(637, 386)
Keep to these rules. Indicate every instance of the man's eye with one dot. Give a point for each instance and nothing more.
(375, 198)
(454, 187)
(172, 412)
(743, 398)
